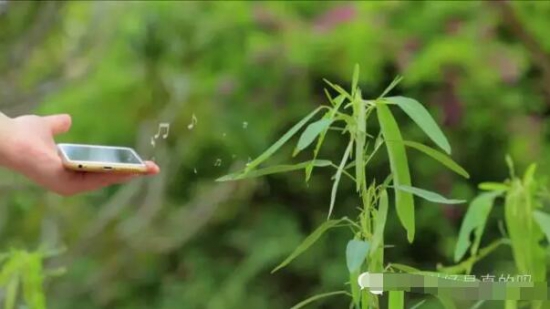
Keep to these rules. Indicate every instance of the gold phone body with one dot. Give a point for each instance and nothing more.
(99, 166)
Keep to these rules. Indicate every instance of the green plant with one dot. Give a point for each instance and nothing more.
(526, 226)
(22, 273)
(349, 114)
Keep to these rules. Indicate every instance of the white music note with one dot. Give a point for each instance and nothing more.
(163, 126)
(193, 123)
(218, 162)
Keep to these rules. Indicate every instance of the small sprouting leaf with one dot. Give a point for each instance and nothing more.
(475, 220)
(418, 113)
(306, 302)
(396, 300)
(278, 144)
(493, 186)
(337, 177)
(399, 166)
(392, 85)
(428, 195)
(310, 133)
(510, 164)
(441, 157)
(543, 220)
(274, 170)
(381, 216)
(339, 89)
(529, 174)
(308, 242)
(356, 253)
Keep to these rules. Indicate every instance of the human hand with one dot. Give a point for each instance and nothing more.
(28, 147)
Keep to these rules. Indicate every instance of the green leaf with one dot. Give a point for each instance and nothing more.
(32, 282)
(360, 137)
(392, 85)
(288, 135)
(399, 167)
(396, 300)
(306, 302)
(11, 293)
(274, 170)
(337, 177)
(355, 288)
(417, 305)
(428, 195)
(493, 186)
(543, 220)
(337, 102)
(475, 219)
(308, 242)
(310, 133)
(438, 156)
(381, 216)
(446, 301)
(420, 115)
(356, 253)
(339, 89)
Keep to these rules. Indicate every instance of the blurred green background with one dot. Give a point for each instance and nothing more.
(247, 71)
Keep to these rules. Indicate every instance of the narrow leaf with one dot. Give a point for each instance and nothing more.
(337, 177)
(399, 167)
(438, 156)
(446, 301)
(493, 186)
(306, 302)
(11, 293)
(337, 102)
(381, 216)
(428, 195)
(288, 135)
(339, 89)
(543, 220)
(356, 253)
(417, 305)
(355, 288)
(420, 115)
(308, 242)
(396, 300)
(274, 170)
(475, 219)
(310, 133)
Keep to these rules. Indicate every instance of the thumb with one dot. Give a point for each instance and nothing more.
(58, 123)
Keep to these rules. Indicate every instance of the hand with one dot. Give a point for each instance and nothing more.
(29, 148)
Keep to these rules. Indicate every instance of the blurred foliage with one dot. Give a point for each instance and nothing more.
(247, 71)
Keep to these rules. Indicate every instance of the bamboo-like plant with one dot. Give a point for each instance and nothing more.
(526, 226)
(349, 113)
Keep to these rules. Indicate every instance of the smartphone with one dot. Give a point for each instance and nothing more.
(96, 158)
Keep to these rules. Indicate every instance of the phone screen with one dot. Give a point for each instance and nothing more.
(100, 154)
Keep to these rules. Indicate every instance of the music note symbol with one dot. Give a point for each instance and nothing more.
(194, 121)
(163, 126)
(218, 162)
